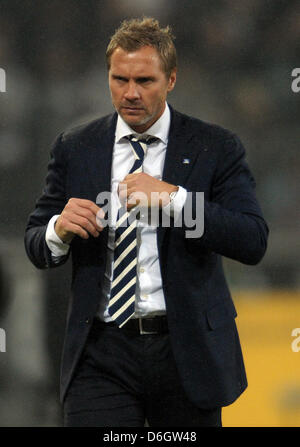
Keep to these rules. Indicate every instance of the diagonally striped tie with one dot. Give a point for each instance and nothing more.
(122, 298)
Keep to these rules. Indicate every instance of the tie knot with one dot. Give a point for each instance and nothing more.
(146, 139)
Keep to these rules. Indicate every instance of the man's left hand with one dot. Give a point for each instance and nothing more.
(144, 190)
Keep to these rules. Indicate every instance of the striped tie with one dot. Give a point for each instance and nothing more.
(122, 298)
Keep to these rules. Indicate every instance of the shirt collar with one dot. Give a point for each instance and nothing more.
(160, 129)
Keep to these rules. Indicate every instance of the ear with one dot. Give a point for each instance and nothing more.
(172, 80)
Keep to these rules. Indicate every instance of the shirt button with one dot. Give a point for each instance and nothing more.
(145, 296)
(142, 270)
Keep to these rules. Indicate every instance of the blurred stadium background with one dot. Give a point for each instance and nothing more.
(235, 64)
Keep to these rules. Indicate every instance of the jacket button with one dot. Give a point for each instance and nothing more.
(87, 320)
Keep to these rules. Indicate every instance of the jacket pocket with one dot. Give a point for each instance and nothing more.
(220, 314)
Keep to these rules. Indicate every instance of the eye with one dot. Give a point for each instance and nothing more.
(145, 80)
(119, 79)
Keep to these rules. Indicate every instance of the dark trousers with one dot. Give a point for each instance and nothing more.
(124, 379)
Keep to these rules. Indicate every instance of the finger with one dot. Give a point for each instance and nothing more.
(83, 222)
(100, 219)
(70, 228)
(79, 231)
(85, 203)
(132, 176)
(122, 195)
(89, 214)
(138, 198)
(132, 202)
(122, 191)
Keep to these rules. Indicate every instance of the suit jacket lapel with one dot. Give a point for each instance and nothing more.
(99, 161)
(182, 151)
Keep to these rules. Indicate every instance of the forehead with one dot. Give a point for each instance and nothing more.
(141, 61)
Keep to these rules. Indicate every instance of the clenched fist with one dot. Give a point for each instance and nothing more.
(79, 217)
(144, 190)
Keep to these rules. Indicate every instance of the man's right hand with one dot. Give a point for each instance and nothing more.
(79, 217)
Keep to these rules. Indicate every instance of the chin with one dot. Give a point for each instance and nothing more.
(135, 123)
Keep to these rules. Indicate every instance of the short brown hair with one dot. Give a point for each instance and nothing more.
(137, 33)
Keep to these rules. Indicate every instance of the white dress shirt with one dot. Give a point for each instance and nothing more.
(149, 293)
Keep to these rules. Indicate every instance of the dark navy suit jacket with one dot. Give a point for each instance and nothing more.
(200, 311)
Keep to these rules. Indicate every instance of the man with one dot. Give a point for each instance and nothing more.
(151, 331)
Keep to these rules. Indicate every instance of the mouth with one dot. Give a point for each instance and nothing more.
(132, 108)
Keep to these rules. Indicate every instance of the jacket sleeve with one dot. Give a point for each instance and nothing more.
(233, 222)
(51, 202)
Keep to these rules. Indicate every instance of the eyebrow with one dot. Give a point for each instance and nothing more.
(139, 78)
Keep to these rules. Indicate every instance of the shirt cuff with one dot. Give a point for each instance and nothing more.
(57, 247)
(174, 207)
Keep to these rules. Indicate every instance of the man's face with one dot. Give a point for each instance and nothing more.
(139, 86)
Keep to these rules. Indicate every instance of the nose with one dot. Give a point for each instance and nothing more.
(132, 92)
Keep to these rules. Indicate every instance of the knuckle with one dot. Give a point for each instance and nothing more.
(85, 221)
(62, 221)
(89, 214)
